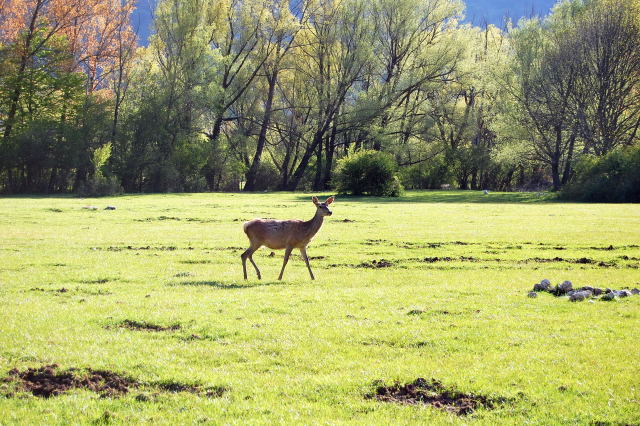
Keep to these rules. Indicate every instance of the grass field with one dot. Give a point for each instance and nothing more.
(75, 284)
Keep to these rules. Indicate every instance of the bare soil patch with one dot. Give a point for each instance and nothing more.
(453, 259)
(382, 263)
(432, 392)
(578, 261)
(137, 248)
(50, 380)
(147, 326)
(175, 387)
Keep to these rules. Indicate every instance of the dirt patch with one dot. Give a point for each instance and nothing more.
(382, 263)
(578, 261)
(416, 312)
(452, 259)
(195, 261)
(147, 326)
(175, 387)
(433, 393)
(96, 281)
(437, 259)
(316, 257)
(374, 242)
(49, 380)
(347, 220)
(121, 248)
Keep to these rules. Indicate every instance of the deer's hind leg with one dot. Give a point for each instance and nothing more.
(248, 254)
(303, 252)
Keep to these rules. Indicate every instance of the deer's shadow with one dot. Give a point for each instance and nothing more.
(228, 286)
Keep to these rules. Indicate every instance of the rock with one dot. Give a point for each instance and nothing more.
(110, 208)
(608, 296)
(533, 294)
(578, 296)
(563, 288)
(543, 285)
(607, 290)
(572, 292)
(597, 291)
(635, 291)
(90, 208)
(586, 287)
(622, 293)
(486, 192)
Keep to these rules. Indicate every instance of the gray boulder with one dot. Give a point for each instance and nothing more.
(597, 291)
(544, 285)
(622, 293)
(608, 296)
(579, 296)
(532, 294)
(635, 291)
(110, 208)
(563, 288)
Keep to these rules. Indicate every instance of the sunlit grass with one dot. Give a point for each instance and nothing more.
(309, 351)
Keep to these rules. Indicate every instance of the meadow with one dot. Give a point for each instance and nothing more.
(153, 291)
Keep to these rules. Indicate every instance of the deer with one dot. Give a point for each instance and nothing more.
(284, 234)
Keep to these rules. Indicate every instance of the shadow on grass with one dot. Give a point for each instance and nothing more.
(228, 286)
(442, 196)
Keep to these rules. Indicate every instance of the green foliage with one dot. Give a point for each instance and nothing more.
(100, 157)
(612, 178)
(427, 175)
(100, 186)
(368, 172)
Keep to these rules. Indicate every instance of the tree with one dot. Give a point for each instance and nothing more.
(606, 43)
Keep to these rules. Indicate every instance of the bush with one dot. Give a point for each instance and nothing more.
(368, 172)
(612, 178)
(427, 175)
(99, 186)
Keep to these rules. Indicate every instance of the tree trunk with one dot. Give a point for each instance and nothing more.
(252, 174)
(567, 167)
(329, 151)
(304, 161)
(208, 170)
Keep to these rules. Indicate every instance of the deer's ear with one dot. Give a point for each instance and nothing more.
(315, 200)
(329, 200)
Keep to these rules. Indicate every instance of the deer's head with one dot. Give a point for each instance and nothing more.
(323, 208)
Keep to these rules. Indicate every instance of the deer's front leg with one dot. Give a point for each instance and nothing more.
(287, 253)
(303, 252)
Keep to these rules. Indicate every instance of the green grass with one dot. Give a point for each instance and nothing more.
(299, 351)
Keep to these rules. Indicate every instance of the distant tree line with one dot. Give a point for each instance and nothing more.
(270, 94)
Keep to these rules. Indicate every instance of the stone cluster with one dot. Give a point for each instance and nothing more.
(579, 294)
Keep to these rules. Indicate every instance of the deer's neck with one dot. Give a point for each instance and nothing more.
(313, 225)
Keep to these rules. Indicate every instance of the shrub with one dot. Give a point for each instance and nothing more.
(368, 172)
(612, 178)
(99, 185)
(427, 175)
